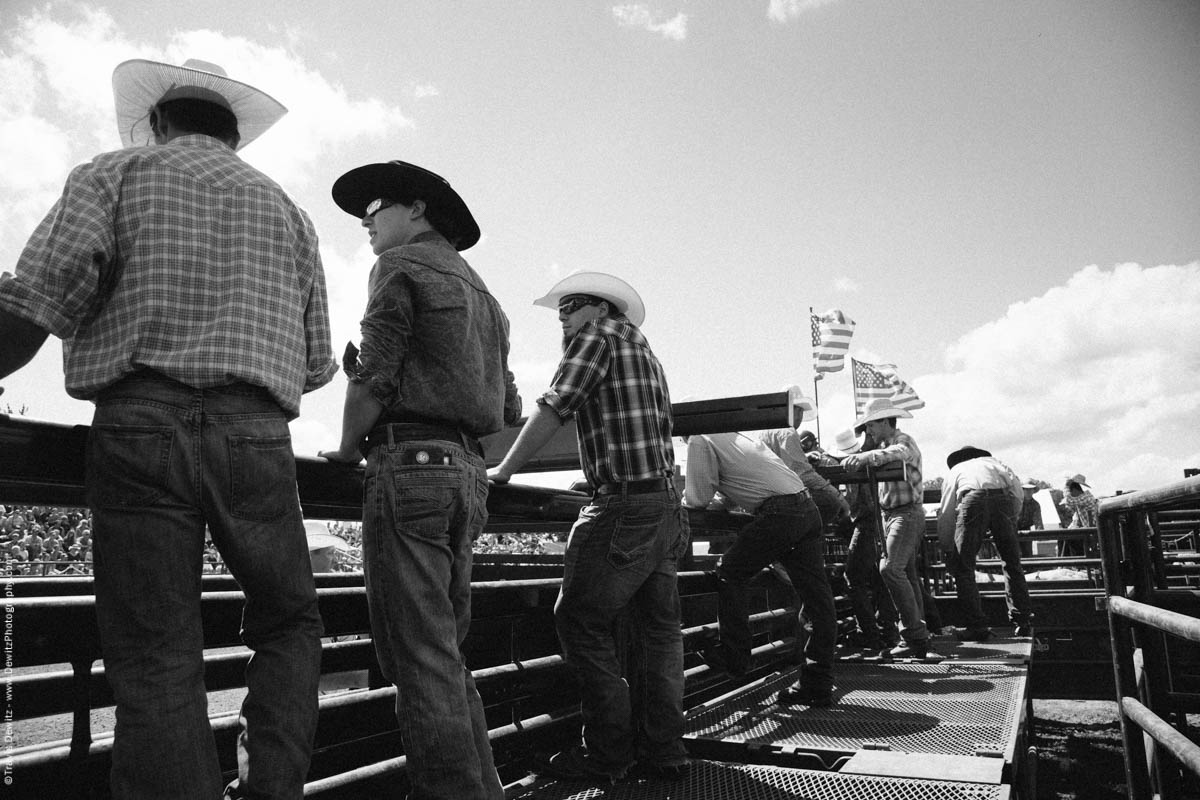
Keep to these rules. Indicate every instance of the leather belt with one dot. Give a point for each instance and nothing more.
(396, 432)
(634, 487)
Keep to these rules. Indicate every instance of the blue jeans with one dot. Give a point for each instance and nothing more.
(903, 529)
(621, 557)
(788, 529)
(981, 511)
(870, 600)
(424, 504)
(163, 462)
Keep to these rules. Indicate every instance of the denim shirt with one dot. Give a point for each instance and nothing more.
(435, 341)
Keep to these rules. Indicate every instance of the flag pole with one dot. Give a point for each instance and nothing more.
(816, 379)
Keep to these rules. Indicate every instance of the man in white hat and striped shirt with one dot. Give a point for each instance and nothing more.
(190, 297)
(903, 519)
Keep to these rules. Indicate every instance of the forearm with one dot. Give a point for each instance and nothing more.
(359, 415)
(20, 340)
(541, 426)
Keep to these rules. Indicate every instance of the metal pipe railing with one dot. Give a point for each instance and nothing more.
(1134, 585)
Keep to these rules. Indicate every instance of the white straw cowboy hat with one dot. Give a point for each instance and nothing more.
(807, 410)
(139, 85)
(1078, 478)
(361, 185)
(624, 297)
(879, 408)
(848, 443)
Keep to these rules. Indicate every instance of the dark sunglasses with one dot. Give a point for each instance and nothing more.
(377, 205)
(572, 304)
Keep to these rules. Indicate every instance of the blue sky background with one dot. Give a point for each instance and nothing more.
(1004, 195)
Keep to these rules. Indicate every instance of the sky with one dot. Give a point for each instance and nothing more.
(1004, 196)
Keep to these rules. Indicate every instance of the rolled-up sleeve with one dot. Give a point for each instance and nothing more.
(386, 334)
(67, 261)
(321, 365)
(583, 367)
(702, 479)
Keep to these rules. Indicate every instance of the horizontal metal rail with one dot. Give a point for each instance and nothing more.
(1161, 731)
(1171, 622)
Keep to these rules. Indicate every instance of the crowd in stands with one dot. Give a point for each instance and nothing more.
(47, 541)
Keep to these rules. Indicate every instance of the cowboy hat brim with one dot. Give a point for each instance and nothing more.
(355, 190)
(891, 412)
(965, 454)
(607, 287)
(139, 85)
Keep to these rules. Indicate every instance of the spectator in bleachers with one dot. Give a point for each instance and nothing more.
(981, 495)
(786, 528)
(1079, 501)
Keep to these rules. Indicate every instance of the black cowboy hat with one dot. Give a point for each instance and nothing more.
(358, 187)
(965, 454)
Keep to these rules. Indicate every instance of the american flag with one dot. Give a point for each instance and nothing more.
(880, 380)
(831, 334)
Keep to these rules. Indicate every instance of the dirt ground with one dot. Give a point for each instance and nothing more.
(1079, 750)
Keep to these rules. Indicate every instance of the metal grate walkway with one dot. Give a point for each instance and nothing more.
(711, 780)
(951, 726)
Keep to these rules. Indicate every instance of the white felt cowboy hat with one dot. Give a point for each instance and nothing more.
(848, 442)
(139, 85)
(624, 297)
(879, 408)
(355, 190)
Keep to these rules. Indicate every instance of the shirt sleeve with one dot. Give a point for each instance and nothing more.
(701, 481)
(583, 366)
(900, 451)
(948, 510)
(386, 333)
(68, 261)
(321, 364)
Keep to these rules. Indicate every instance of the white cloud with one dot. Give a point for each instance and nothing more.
(423, 90)
(56, 107)
(636, 15)
(1100, 376)
(846, 286)
(784, 10)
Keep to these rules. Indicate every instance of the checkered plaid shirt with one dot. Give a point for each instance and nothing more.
(184, 259)
(613, 383)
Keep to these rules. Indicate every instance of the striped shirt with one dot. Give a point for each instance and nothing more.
(184, 259)
(897, 494)
(1085, 509)
(612, 382)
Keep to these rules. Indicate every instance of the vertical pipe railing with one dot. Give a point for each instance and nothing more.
(1138, 628)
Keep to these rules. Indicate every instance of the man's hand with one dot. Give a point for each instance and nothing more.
(855, 462)
(497, 475)
(352, 457)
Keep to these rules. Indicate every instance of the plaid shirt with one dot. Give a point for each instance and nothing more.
(896, 494)
(1085, 509)
(612, 382)
(184, 259)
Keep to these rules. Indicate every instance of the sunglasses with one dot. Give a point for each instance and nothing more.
(377, 205)
(573, 304)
